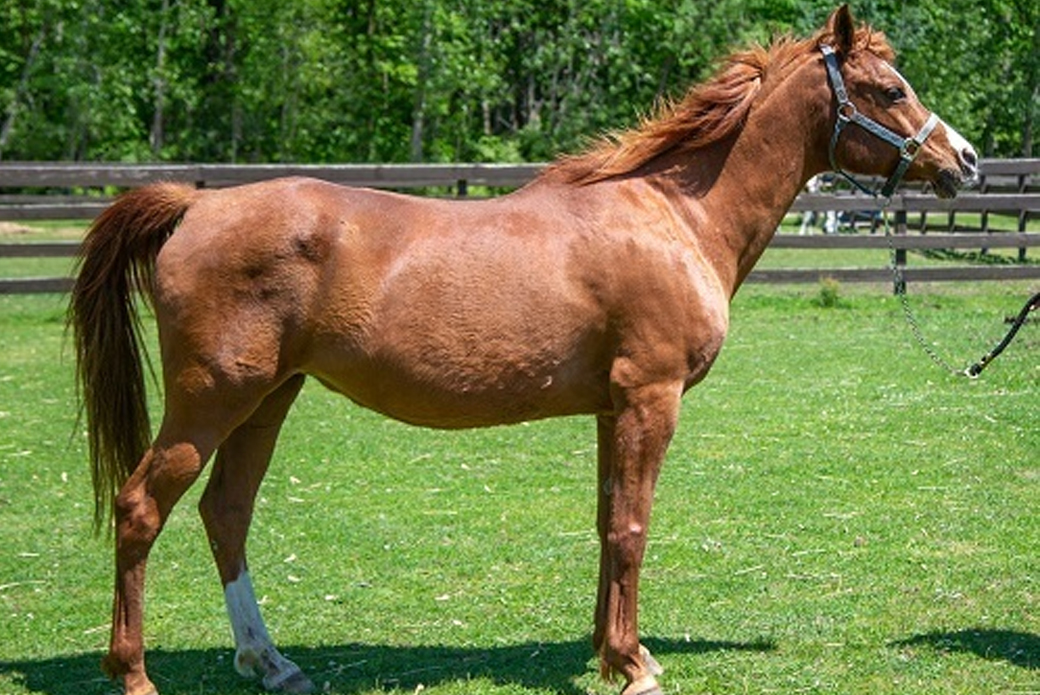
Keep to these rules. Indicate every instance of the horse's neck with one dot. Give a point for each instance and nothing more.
(754, 177)
(757, 186)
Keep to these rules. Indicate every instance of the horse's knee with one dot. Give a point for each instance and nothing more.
(627, 544)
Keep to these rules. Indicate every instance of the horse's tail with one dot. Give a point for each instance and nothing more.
(118, 258)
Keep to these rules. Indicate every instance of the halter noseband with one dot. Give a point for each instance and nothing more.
(848, 113)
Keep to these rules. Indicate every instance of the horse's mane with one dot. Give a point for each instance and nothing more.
(708, 113)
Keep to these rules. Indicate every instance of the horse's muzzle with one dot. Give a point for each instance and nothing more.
(966, 175)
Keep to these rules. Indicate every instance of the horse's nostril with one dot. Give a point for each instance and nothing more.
(969, 158)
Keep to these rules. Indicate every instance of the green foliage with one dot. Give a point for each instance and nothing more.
(443, 80)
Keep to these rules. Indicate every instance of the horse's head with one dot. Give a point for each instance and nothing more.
(878, 125)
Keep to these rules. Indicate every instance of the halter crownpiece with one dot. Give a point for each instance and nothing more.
(848, 113)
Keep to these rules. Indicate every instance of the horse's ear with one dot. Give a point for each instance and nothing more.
(842, 28)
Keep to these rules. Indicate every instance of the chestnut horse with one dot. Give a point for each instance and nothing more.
(601, 288)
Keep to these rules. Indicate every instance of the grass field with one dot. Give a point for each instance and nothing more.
(837, 515)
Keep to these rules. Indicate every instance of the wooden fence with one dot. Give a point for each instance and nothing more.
(1007, 198)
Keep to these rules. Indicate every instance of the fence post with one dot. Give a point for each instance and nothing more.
(984, 220)
(899, 257)
(1023, 215)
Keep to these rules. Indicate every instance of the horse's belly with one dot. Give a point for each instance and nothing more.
(454, 396)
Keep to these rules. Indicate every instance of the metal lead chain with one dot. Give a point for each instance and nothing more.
(911, 320)
(974, 370)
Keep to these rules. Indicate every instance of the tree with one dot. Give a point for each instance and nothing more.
(445, 80)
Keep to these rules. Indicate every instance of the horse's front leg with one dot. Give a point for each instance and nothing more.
(632, 444)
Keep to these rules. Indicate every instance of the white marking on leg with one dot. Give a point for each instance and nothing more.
(255, 653)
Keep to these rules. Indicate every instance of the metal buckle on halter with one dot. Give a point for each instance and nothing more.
(847, 111)
(913, 145)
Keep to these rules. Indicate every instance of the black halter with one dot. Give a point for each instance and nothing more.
(848, 113)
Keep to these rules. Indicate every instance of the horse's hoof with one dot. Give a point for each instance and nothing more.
(132, 684)
(296, 683)
(146, 688)
(650, 662)
(647, 685)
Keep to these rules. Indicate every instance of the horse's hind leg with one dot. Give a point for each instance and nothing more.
(227, 509)
(141, 508)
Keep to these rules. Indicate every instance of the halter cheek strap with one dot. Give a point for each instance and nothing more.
(848, 113)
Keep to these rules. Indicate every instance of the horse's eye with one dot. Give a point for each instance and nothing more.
(895, 94)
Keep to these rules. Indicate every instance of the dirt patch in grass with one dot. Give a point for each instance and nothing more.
(13, 229)
(42, 231)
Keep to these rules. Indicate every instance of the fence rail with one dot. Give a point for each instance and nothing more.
(80, 191)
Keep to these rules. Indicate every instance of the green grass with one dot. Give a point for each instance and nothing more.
(837, 515)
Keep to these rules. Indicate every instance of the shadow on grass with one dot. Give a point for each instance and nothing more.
(352, 668)
(1018, 648)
